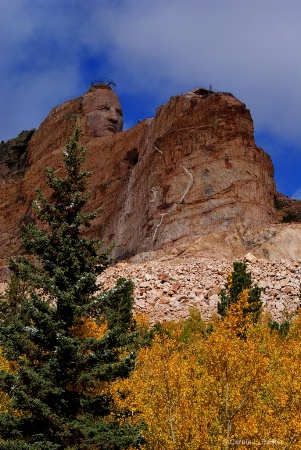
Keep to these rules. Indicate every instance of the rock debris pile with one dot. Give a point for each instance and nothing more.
(167, 289)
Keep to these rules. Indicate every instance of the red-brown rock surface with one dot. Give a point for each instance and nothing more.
(192, 170)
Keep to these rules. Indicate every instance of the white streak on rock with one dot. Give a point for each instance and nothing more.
(161, 220)
(189, 184)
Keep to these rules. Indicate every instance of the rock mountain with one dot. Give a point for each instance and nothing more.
(190, 177)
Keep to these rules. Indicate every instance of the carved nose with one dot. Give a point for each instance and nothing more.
(112, 116)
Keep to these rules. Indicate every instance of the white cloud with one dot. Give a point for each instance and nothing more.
(157, 49)
(248, 47)
(40, 61)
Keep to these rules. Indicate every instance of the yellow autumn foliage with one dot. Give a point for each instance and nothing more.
(202, 386)
(217, 390)
(88, 327)
(4, 399)
(236, 320)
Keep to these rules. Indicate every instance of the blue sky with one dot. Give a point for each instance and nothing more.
(154, 49)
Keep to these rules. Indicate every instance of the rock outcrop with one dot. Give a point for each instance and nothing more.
(183, 195)
(13, 157)
(289, 208)
(190, 171)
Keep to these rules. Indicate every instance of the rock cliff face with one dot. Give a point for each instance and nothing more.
(192, 170)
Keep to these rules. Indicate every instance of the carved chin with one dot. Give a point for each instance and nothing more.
(111, 129)
(108, 131)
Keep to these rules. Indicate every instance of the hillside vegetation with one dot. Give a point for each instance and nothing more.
(201, 385)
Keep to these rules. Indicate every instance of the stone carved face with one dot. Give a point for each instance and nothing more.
(103, 113)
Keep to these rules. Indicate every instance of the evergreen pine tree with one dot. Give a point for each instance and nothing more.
(238, 281)
(57, 389)
(281, 328)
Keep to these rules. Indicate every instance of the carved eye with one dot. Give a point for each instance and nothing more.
(102, 108)
(119, 112)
